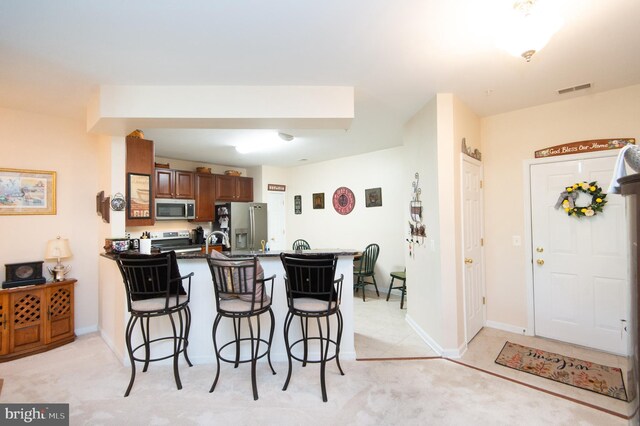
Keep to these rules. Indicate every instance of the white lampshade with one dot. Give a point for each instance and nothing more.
(58, 249)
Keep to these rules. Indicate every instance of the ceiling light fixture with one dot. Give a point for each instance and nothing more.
(264, 142)
(529, 28)
(285, 136)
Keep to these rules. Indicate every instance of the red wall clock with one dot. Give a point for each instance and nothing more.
(343, 200)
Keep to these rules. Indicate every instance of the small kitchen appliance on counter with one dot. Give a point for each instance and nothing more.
(198, 235)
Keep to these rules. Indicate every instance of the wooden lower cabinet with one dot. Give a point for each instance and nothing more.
(36, 318)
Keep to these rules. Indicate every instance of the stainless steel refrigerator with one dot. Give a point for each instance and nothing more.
(244, 223)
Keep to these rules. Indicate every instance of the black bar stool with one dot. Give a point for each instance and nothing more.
(154, 289)
(240, 293)
(313, 293)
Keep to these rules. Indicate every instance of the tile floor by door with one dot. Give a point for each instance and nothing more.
(381, 331)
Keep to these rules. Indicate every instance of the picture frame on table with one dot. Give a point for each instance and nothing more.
(27, 192)
(138, 196)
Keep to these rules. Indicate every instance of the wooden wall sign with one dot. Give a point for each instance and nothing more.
(584, 146)
(276, 187)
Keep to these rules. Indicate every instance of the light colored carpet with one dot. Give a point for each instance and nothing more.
(87, 376)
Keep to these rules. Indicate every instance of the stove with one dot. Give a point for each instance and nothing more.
(178, 241)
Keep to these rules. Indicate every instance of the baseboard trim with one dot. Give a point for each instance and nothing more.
(86, 330)
(424, 335)
(445, 353)
(508, 327)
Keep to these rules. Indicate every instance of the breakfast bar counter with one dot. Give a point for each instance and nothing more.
(114, 316)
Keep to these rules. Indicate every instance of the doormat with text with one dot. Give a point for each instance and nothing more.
(571, 371)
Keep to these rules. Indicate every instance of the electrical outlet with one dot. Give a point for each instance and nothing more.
(516, 240)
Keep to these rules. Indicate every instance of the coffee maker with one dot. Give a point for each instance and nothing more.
(198, 235)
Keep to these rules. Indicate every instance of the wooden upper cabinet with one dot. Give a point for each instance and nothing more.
(174, 184)
(234, 188)
(164, 183)
(225, 188)
(183, 184)
(140, 155)
(205, 197)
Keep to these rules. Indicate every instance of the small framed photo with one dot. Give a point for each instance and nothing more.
(297, 204)
(139, 190)
(27, 192)
(373, 197)
(318, 200)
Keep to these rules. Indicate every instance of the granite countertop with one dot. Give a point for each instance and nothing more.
(247, 253)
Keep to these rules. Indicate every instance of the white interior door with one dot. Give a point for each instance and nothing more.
(579, 265)
(276, 220)
(472, 242)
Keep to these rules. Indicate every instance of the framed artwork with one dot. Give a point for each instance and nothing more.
(318, 200)
(27, 192)
(297, 204)
(139, 201)
(373, 197)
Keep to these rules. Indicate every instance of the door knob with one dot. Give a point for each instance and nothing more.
(540, 262)
(539, 249)
(468, 261)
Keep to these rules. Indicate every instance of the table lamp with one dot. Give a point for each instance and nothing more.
(58, 249)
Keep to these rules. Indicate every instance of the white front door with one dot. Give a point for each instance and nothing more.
(579, 264)
(472, 244)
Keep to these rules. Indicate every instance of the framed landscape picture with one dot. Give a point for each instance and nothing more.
(27, 192)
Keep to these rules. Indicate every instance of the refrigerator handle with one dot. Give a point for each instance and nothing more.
(252, 228)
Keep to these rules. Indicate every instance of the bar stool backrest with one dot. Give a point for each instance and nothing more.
(150, 277)
(239, 278)
(311, 276)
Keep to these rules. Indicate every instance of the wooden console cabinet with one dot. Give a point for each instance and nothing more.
(35, 318)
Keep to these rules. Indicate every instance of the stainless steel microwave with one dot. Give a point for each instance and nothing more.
(173, 209)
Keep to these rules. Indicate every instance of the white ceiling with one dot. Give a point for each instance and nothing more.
(396, 54)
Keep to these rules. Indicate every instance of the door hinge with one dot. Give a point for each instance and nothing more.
(481, 242)
(484, 300)
(480, 184)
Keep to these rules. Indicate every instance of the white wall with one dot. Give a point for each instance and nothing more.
(325, 228)
(424, 274)
(433, 139)
(40, 142)
(509, 139)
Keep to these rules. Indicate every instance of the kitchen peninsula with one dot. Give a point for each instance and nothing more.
(114, 315)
